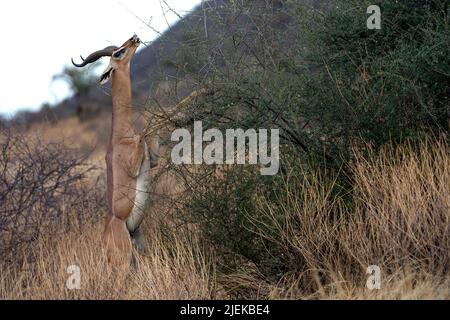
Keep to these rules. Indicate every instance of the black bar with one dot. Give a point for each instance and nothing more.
(223, 309)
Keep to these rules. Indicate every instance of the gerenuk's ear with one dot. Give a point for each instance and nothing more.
(106, 75)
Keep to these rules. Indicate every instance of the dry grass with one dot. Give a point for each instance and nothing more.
(173, 266)
(402, 286)
(399, 220)
(178, 271)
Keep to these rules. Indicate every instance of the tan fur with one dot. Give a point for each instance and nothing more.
(123, 160)
(117, 242)
(128, 159)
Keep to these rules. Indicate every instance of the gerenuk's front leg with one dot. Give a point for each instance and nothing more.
(132, 159)
(152, 145)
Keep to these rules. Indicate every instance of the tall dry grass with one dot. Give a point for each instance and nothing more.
(174, 266)
(397, 217)
(178, 271)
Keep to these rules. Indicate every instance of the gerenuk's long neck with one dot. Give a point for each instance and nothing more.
(121, 104)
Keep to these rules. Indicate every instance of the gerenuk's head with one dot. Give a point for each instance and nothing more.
(120, 57)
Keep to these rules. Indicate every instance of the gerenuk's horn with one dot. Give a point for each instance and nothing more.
(107, 52)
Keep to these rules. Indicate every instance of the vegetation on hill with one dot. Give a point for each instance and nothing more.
(340, 93)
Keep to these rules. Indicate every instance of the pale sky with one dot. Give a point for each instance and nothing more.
(38, 38)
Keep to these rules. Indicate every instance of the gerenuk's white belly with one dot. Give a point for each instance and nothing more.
(142, 193)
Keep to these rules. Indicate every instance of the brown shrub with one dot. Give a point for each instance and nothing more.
(42, 190)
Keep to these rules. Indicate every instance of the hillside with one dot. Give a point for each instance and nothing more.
(162, 63)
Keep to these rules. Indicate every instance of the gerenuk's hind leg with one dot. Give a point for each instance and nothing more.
(117, 242)
(138, 240)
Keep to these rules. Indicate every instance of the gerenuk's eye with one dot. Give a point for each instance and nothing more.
(119, 53)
